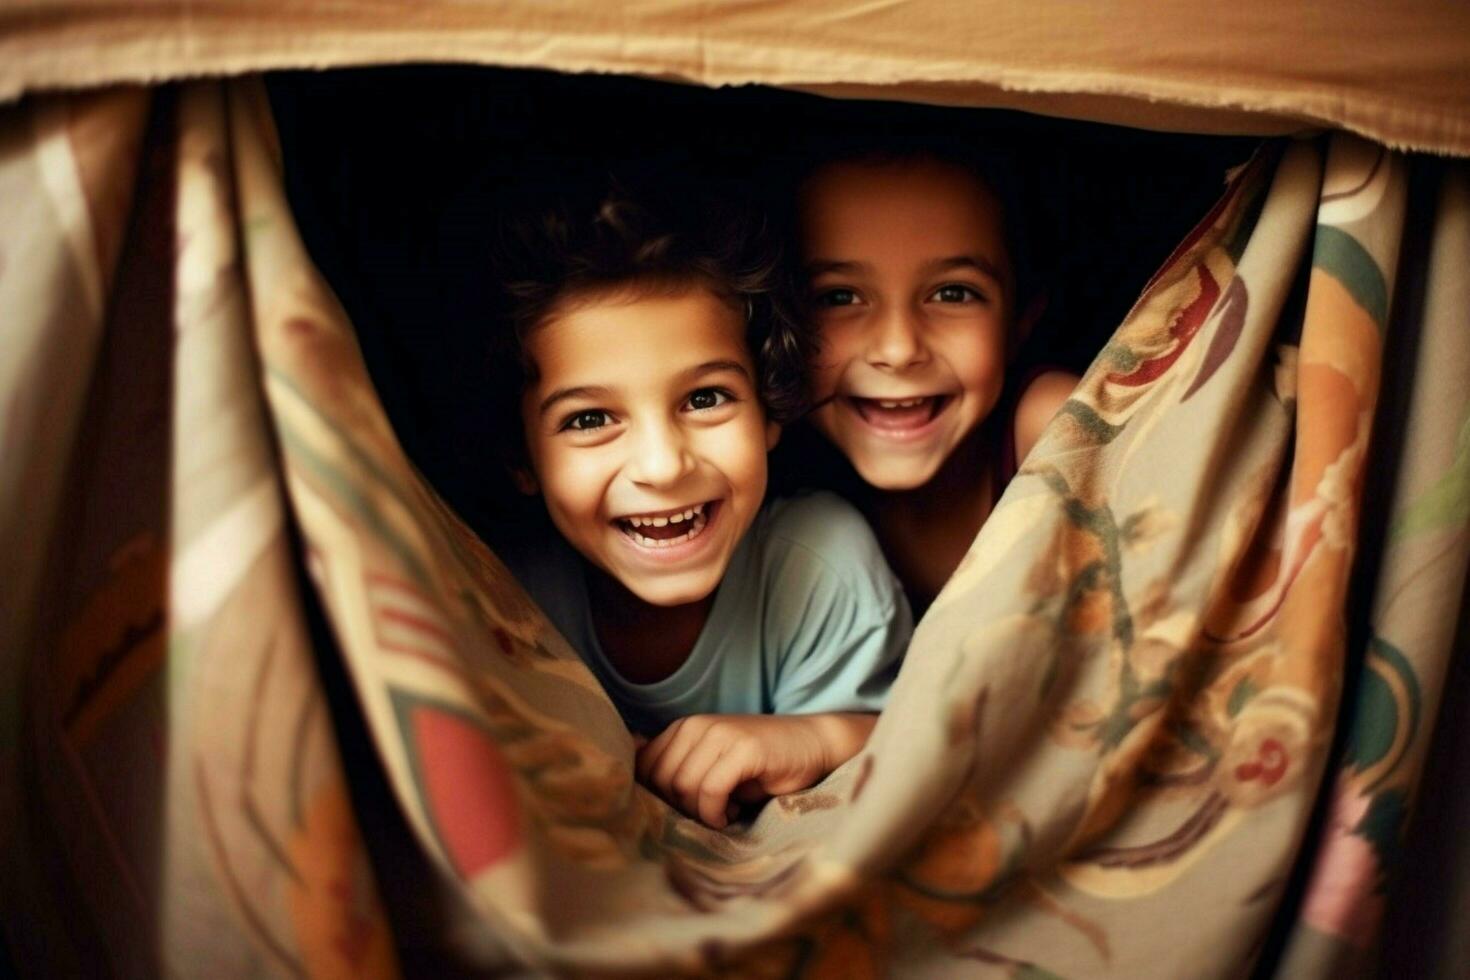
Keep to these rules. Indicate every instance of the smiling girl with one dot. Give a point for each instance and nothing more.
(912, 284)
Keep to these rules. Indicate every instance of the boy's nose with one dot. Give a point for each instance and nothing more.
(661, 456)
(896, 341)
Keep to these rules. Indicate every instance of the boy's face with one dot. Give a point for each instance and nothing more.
(646, 437)
(910, 281)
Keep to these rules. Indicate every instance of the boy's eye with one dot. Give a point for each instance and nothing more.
(592, 418)
(956, 293)
(704, 399)
(836, 297)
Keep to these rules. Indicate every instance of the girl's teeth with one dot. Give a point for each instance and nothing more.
(901, 403)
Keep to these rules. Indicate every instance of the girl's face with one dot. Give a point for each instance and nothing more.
(910, 282)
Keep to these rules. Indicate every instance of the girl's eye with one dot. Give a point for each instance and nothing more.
(592, 418)
(836, 297)
(956, 293)
(706, 398)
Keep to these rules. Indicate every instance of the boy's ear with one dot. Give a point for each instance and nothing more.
(773, 435)
(525, 480)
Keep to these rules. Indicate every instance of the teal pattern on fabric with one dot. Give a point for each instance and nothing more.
(1344, 258)
(1386, 715)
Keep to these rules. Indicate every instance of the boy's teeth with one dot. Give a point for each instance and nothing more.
(688, 514)
(901, 402)
(697, 522)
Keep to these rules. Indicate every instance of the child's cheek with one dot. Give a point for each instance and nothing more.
(824, 377)
(738, 450)
(982, 360)
(839, 343)
(573, 480)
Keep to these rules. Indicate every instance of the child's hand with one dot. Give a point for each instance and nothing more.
(699, 762)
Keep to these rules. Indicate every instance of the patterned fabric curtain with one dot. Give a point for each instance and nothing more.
(1168, 719)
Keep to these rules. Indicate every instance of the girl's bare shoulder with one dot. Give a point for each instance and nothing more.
(1038, 404)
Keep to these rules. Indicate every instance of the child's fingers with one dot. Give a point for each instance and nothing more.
(733, 767)
(664, 766)
(650, 754)
(702, 768)
(685, 780)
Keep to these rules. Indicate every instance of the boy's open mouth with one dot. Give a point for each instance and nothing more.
(664, 529)
(898, 414)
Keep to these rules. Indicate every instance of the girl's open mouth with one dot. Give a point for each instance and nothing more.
(900, 415)
(666, 529)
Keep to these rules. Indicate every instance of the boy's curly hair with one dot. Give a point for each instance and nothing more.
(584, 241)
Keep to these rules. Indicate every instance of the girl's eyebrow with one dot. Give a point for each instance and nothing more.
(978, 263)
(562, 394)
(821, 267)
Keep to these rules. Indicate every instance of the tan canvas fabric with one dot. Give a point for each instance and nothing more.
(1398, 73)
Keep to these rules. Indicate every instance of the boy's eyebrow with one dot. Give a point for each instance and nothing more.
(562, 394)
(713, 367)
(977, 262)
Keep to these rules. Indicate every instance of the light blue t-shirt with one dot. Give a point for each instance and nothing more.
(807, 619)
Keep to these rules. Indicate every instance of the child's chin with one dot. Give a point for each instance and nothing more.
(895, 477)
(671, 594)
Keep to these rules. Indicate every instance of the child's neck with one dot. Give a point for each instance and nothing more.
(926, 531)
(643, 642)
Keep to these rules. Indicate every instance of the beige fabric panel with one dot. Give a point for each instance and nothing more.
(1399, 74)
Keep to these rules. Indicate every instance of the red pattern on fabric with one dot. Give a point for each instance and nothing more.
(1183, 330)
(470, 791)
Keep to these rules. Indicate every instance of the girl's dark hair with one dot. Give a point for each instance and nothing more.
(576, 241)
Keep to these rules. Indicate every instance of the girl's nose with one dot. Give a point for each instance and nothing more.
(897, 341)
(661, 456)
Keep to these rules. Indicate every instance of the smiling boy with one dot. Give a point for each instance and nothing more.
(752, 641)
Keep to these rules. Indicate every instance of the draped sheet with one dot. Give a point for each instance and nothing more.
(1101, 758)
(1398, 74)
